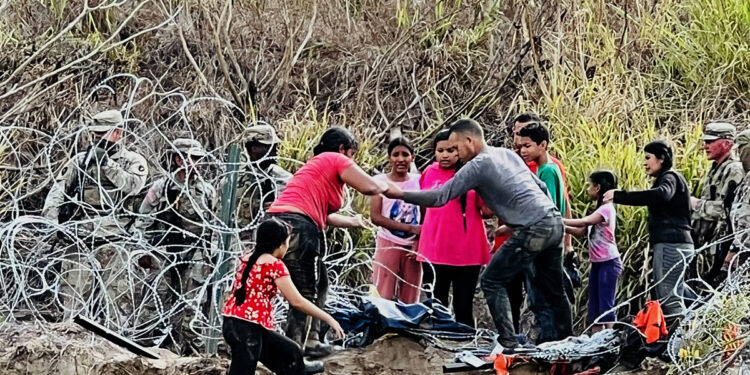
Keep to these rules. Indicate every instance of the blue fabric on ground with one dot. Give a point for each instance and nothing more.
(373, 317)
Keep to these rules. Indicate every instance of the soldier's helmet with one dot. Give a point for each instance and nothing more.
(189, 147)
(105, 121)
(719, 130)
(262, 132)
(743, 139)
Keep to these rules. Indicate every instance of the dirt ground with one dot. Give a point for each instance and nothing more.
(68, 349)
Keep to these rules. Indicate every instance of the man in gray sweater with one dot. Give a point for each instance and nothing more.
(520, 200)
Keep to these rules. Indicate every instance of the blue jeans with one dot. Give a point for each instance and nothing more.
(538, 251)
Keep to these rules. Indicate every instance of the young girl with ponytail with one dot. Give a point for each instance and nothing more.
(606, 265)
(248, 326)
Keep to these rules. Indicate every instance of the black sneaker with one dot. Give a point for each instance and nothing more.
(313, 367)
(320, 350)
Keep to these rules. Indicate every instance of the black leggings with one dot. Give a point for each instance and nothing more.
(464, 281)
(252, 342)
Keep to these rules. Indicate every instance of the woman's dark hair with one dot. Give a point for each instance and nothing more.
(606, 181)
(400, 141)
(332, 140)
(270, 235)
(661, 150)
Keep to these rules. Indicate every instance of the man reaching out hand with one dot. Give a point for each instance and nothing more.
(520, 200)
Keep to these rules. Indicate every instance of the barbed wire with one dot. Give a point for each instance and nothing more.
(52, 271)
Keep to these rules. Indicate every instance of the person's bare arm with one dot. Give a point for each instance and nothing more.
(355, 177)
(290, 292)
(503, 230)
(485, 212)
(343, 221)
(575, 231)
(593, 219)
(568, 215)
(376, 206)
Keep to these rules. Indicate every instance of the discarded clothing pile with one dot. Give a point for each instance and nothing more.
(368, 318)
(602, 343)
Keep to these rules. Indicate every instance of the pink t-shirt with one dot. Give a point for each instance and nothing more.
(602, 244)
(317, 188)
(398, 210)
(443, 239)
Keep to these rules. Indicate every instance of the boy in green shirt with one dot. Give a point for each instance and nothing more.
(534, 140)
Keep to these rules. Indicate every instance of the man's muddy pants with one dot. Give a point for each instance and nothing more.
(537, 250)
(251, 343)
(304, 259)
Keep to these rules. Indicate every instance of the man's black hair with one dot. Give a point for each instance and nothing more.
(467, 126)
(536, 132)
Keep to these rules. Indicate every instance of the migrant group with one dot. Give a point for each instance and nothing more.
(431, 240)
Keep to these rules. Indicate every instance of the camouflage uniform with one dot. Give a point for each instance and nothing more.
(740, 214)
(258, 185)
(174, 214)
(710, 219)
(108, 186)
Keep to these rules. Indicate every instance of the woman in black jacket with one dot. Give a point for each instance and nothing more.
(668, 203)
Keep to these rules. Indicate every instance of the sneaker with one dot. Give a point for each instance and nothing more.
(319, 350)
(314, 367)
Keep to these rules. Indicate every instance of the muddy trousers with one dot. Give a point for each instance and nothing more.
(537, 250)
(308, 273)
(251, 342)
(310, 278)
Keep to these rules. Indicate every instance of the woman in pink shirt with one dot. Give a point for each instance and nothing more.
(309, 204)
(453, 238)
(395, 271)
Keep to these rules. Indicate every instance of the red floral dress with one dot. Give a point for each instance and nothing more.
(260, 291)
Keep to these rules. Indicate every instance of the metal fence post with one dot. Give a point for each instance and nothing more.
(229, 193)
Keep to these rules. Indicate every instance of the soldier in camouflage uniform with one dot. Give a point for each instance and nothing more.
(261, 180)
(710, 218)
(740, 213)
(91, 196)
(175, 214)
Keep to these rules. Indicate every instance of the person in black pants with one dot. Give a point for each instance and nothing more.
(248, 326)
(464, 280)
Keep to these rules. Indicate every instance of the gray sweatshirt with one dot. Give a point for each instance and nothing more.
(504, 182)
